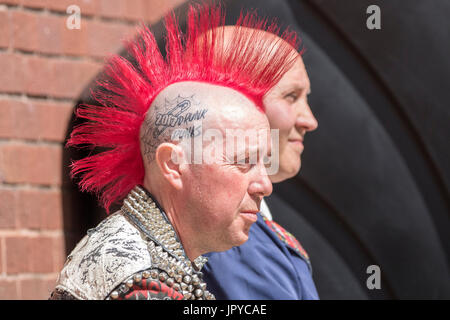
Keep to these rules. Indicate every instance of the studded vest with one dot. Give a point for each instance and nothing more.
(133, 254)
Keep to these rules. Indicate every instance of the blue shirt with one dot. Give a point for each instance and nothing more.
(263, 268)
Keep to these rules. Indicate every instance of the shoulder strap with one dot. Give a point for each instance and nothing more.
(288, 238)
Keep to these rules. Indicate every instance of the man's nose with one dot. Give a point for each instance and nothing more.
(305, 119)
(261, 184)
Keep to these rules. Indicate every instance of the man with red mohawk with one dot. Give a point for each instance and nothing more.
(151, 115)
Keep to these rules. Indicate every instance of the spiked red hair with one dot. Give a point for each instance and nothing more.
(251, 63)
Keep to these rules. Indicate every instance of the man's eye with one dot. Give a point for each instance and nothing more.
(244, 164)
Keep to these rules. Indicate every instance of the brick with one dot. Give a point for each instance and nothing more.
(17, 255)
(53, 120)
(74, 41)
(24, 26)
(60, 78)
(1, 258)
(39, 71)
(41, 251)
(12, 75)
(7, 118)
(37, 4)
(106, 37)
(49, 34)
(39, 209)
(34, 120)
(35, 164)
(19, 119)
(70, 78)
(30, 254)
(8, 290)
(5, 30)
(112, 8)
(8, 200)
(59, 253)
(37, 288)
(134, 10)
(87, 7)
(11, 2)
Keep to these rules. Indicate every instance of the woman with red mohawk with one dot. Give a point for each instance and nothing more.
(272, 264)
(151, 113)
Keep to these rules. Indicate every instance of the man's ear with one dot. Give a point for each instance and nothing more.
(169, 157)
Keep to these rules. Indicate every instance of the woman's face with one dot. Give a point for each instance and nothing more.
(287, 110)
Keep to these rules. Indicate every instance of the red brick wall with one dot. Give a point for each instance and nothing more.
(44, 68)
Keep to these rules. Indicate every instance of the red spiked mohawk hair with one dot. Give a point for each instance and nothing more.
(251, 62)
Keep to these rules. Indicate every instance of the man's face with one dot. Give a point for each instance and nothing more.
(287, 110)
(224, 195)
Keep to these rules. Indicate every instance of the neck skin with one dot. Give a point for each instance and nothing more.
(173, 210)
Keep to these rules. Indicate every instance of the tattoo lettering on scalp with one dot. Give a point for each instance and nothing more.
(175, 120)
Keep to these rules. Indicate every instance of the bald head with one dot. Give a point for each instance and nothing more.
(184, 110)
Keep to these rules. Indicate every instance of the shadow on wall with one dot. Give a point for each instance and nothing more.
(80, 209)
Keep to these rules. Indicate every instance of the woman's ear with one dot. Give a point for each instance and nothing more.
(170, 157)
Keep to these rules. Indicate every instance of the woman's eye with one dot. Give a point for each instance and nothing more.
(291, 97)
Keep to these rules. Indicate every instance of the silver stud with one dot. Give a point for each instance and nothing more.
(178, 278)
(195, 280)
(190, 288)
(129, 283)
(170, 282)
(183, 286)
(198, 293)
(154, 274)
(146, 274)
(177, 286)
(114, 295)
(137, 277)
(187, 295)
(162, 276)
(203, 286)
(187, 279)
